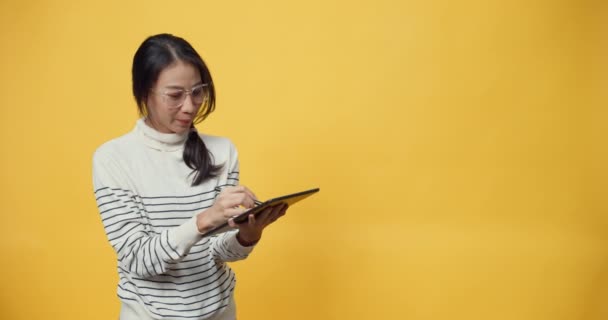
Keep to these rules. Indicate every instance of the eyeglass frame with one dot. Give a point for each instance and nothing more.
(183, 91)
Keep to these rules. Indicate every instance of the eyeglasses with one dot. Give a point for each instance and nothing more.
(174, 98)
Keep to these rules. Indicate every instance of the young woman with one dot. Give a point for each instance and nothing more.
(156, 192)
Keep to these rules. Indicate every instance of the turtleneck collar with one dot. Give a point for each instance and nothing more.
(158, 140)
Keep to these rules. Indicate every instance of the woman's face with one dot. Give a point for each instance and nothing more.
(167, 111)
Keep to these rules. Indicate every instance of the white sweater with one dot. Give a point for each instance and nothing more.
(148, 209)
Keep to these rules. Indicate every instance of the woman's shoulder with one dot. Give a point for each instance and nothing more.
(115, 147)
(212, 141)
(220, 147)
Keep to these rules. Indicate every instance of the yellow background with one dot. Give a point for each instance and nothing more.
(460, 148)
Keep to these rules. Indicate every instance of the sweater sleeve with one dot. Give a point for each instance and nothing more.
(225, 247)
(140, 250)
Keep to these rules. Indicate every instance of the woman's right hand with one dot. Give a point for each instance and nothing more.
(230, 202)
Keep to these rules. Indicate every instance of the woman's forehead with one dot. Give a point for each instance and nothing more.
(179, 75)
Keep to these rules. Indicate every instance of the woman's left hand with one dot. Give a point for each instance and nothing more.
(250, 232)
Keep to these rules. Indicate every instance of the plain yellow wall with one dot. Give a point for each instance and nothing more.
(460, 148)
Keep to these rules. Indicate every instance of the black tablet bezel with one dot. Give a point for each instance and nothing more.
(243, 217)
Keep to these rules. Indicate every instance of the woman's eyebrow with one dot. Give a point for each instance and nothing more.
(182, 88)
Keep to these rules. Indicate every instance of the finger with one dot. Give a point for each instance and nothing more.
(278, 212)
(284, 209)
(249, 201)
(245, 190)
(248, 192)
(246, 197)
(232, 224)
(229, 191)
(233, 212)
(263, 217)
(235, 189)
(236, 199)
(252, 220)
(249, 198)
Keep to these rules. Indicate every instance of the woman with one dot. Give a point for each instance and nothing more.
(156, 191)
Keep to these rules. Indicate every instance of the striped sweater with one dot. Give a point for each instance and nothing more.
(148, 209)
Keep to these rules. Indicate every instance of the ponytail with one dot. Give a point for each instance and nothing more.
(199, 159)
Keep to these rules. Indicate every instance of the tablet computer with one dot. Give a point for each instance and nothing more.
(289, 199)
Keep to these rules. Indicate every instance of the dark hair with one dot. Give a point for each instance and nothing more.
(155, 54)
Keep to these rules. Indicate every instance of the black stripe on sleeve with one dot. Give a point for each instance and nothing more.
(122, 235)
(116, 215)
(108, 210)
(103, 204)
(143, 258)
(101, 197)
(160, 262)
(119, 221)
(126, 242)
(173, 249)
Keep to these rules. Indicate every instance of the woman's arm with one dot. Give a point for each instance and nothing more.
(140, 250)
